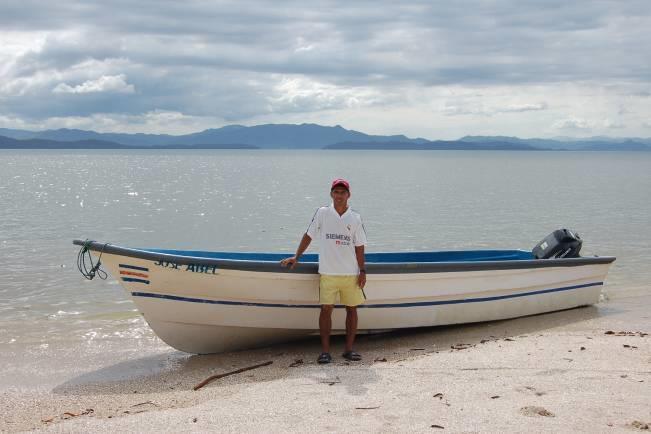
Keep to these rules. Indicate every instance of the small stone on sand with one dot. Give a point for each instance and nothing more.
(536, 411)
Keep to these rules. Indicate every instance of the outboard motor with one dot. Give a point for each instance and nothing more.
(562, 243)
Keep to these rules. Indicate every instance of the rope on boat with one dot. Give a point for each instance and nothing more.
(84, 258)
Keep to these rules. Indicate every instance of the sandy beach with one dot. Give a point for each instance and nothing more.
(582, 370)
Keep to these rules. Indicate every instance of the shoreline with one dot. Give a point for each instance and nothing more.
(552, 372)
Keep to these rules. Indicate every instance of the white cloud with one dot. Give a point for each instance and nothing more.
(158, 121)
(292, 94)
(573, 124)
(516, 108)
(614, 125)
(481, 109)
(105, 83)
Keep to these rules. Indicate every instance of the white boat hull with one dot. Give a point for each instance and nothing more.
(205, 309)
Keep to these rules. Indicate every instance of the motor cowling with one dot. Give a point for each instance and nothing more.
(562, 243)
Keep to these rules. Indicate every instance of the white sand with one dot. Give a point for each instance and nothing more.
(524, 375)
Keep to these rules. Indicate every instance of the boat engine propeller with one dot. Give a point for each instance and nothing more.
(562, 243)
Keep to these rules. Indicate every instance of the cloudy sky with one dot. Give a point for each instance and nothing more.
(433, 69)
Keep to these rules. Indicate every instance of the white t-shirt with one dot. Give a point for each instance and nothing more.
(338, 236)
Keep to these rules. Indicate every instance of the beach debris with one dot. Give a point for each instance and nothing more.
(367, 408)
(383, 359)
(495, 396)
(437, 426)
(483, 341)
(194, 420)
(536, 411)
(296, 363)
(226, 374)
(68, 414)
(630, 346)
(331, 382)
(460, 347)
(440, 397)
(134, 412)
(640, 425)
(145, 403)
(87, 411)
(625, 333)
(582, 348)
(526, 389)
(509, 339)
(416, 349)
(568, 359)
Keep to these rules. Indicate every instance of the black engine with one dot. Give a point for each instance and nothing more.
(562, 243)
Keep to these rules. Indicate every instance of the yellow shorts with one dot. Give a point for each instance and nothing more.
(350, 294)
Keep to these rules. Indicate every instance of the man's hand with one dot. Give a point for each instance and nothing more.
(361, 280)
(289, 262)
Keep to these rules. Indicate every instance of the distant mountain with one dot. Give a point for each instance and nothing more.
(10, 143)
(16, 134)
(304, 136)
(584, 144)
(435, 145)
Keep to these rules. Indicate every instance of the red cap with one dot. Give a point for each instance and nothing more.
(341, 182)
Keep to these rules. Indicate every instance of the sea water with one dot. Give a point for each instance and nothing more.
(262, 201)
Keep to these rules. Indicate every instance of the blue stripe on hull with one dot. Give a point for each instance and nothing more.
(363, 306)
(133, 267)
(131, 279)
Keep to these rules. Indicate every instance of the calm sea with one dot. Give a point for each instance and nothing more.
(263, 201)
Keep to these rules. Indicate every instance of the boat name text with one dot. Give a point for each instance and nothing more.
(194, 268)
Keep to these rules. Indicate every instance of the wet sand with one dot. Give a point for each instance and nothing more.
(581, 370)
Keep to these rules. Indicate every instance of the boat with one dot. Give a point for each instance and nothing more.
(209, 302)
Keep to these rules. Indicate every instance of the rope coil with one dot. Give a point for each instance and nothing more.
(84, 258)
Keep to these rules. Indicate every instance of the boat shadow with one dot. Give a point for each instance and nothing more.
(175, 371)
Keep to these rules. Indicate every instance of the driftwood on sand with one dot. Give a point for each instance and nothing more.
(226, 374)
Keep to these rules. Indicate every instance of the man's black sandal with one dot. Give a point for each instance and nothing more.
(324, 358)
(352, 356)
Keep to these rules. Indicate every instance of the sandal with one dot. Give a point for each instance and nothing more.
(324, 358)
(352, 356)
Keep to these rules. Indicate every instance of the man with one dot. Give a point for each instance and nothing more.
(342, 271)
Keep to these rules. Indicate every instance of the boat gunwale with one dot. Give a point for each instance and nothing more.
(372, 267)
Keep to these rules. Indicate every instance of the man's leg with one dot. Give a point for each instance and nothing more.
(351, 326)
(325, 326)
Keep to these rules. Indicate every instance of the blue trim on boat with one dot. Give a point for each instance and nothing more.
(133, 267)
(371, 258)
(376, 263)
(365, 306)
(131, 279)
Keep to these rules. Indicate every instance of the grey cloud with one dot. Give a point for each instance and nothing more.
(224, 58)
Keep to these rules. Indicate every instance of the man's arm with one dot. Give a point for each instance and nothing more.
(302, 247)
(361, 278)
